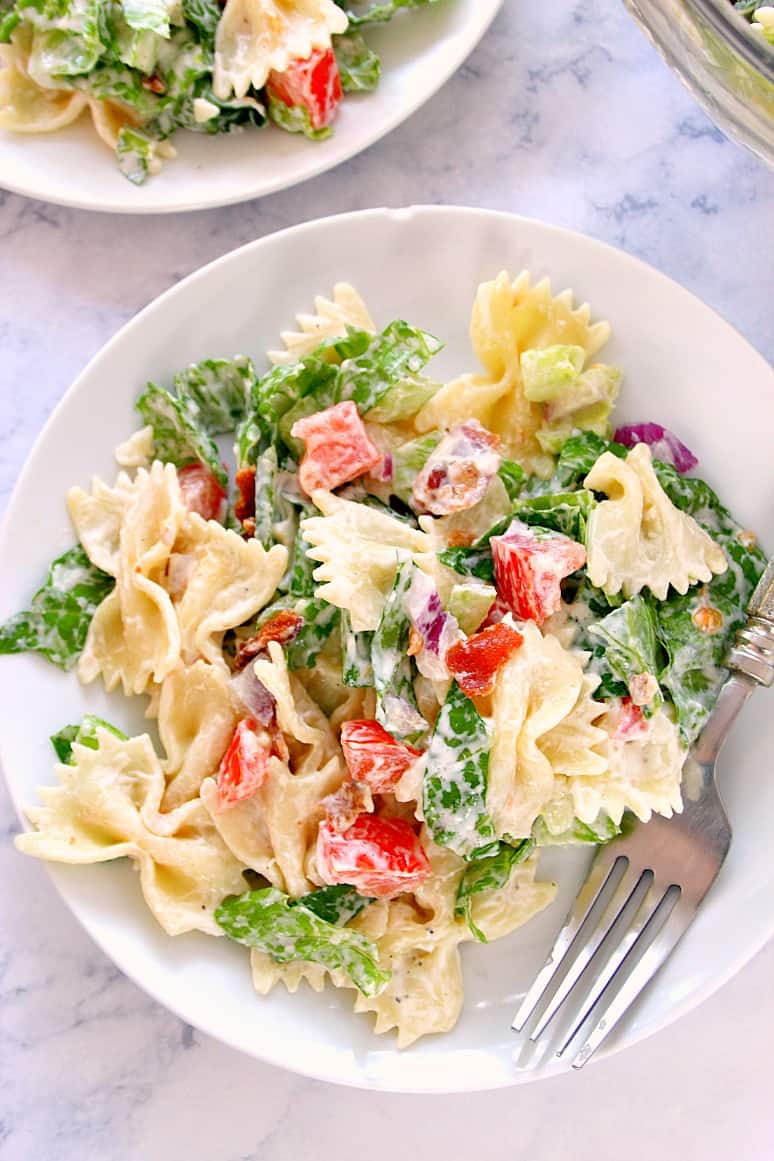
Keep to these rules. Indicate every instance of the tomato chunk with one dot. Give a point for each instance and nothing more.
(631, 722)
(313, 84)
(374, 756)
(529, 568)
(245, 764)
(201, 491)
(458, 471)
(380, 856)
(475, 662)
(337, 447)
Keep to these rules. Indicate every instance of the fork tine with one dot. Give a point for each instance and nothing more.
(618, 903)
(616, 958)
(602, 871)
(669, 933)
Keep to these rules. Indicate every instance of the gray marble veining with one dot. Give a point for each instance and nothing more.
(563, 113)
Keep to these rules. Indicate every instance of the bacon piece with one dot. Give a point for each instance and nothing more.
(475, 662)
(244, 505)
(458, 471)
(352, 799)
(284, 627)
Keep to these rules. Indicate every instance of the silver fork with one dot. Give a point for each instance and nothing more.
(644, 888)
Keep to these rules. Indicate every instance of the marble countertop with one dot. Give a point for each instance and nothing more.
(564, 113)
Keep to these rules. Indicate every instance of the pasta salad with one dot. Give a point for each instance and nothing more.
(430, 628)
(145, 68)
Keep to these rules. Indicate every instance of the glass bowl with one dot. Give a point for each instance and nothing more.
(726, 64)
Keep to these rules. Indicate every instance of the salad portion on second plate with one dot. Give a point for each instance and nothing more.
(144, 69)
(432, 628)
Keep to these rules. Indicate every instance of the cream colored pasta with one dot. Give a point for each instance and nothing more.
(330, 320)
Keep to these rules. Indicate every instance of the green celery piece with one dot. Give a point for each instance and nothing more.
(470, 602)
(149, 15)
(513, 477)
(287, 930)
(695, 667)
(176, 438)
(546, 372)
(392, 666)
(337, 905)
(408, 461)
(320, 620)
(565, 512)
(454, 791)
(295, 119)
(601, 830)
(623, 644)
(404, 400)
(379, 13)
(469, 561)
(84, 735)
(356, 668)
(216, 392)
(60, 613)
(398, 353)
(359, 65)
(265, 496)
(490, 873)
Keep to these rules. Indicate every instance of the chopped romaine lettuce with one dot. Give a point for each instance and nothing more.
(216, 392)
(356, 668)
(288, 930)
(624, 644)
(513, 477)
(338, 904)
(455, 781)
(368, 12)
(295, 119)
(490, 873)
(59, 616)
(176, 437)
(359, 65)
(392, 666)
(84, 735)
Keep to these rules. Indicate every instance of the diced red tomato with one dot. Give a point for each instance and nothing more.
(201, 491)
(284, 627)
(458, 471)
(380, 856)
(374, 756)
(337, 447)
(631, 722)
(313, 84)
(529, 569)
(245, 764)
(475, 662)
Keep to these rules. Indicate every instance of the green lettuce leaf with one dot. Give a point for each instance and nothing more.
(513, 477)
(356, 668)
(624, 644)
(491, 873)
(176, 437)
(84, 735)
(601, 830)
(455, 782)
(149, 15)
(59, 616)
(396, 355)
(288, 930)
(295, 119)
(336, 905)
(70, 36)
(408, 460)
(359, 65)
(216, 392)
(367, 12)
(392, 667)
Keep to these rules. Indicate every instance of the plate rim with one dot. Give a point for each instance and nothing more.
(481, 20)
(362, 1081)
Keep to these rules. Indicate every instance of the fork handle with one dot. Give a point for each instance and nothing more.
(753, 651)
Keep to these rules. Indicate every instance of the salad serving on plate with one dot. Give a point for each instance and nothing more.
(143, 69)
(430, 629)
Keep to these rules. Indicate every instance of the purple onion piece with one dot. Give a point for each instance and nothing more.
(663, 443)
(254, 696)
(438, 630)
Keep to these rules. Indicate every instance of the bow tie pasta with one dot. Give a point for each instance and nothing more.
(431, 630)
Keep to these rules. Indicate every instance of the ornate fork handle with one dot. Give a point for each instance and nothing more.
(753, 651)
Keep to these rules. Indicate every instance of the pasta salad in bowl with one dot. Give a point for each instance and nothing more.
(400, 638)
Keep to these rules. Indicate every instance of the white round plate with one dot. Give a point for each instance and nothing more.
(424, 265)
(420, 50)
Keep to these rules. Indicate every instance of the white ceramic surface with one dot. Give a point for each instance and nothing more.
(420, 50)
(422, 264)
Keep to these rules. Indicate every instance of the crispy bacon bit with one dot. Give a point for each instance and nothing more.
(461, 539)
(244, 505)
(284, 627)
(475, 662)
(347, 804)
(154, 84)
(382, 857)
(248, 526)
(747, 538)
(374, 756)
(337, 447)
(643, 687)
(458, 471)
(631, 722)
(708, 620)
(529, 569)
